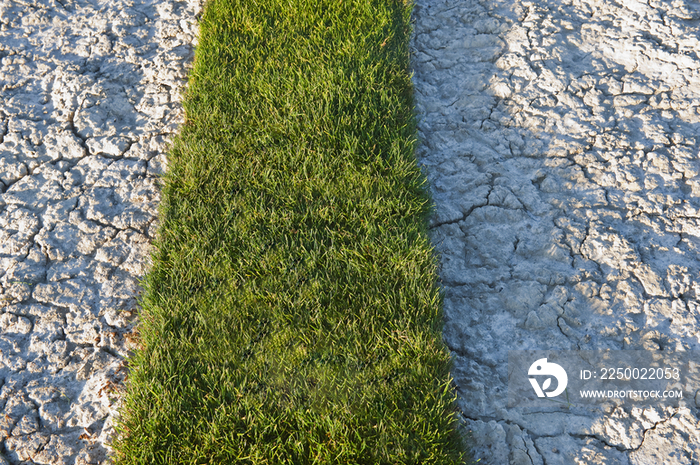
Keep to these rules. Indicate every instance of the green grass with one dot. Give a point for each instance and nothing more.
(292, 313)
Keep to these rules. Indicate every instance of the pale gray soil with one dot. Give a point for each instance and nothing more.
(90, 93)
(561, 142)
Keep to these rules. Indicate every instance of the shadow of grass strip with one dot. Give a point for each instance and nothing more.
(292, 313)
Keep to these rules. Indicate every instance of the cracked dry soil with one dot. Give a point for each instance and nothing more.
(89, 95)
(560, 140)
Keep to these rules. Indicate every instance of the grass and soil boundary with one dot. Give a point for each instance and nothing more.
(292, 312)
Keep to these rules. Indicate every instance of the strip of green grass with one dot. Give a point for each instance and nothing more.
(292, 313)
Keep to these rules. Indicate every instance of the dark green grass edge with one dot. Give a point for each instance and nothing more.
(292, 312)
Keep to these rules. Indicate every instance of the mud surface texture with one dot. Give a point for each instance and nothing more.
(561, 140)
(89, 95)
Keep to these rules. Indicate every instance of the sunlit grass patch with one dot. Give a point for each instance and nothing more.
(292, 313)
